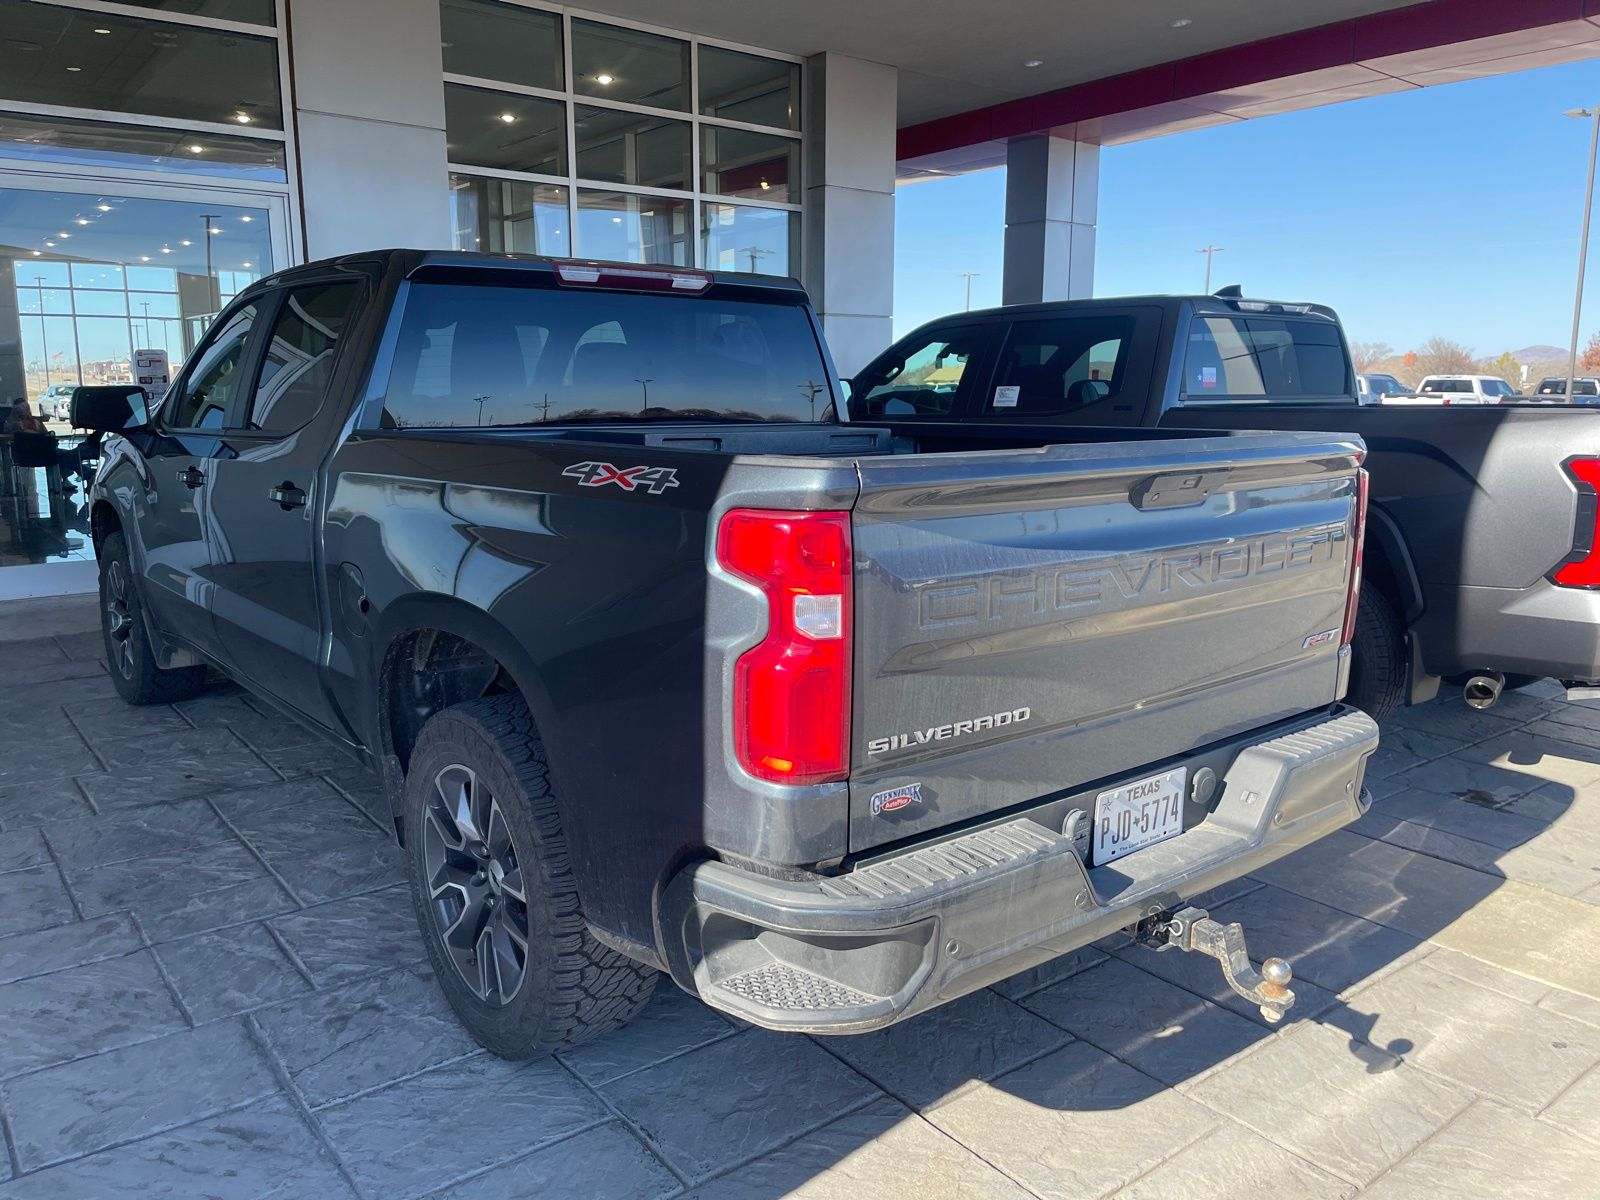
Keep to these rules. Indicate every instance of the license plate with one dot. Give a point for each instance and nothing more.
(1138, 814)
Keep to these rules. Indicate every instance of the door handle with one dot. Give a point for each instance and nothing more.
(191, 477)
(287, 496)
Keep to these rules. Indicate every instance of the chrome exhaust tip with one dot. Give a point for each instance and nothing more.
(1482, 690)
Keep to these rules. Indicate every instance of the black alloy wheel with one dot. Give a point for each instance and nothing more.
(475, 884)
(118, 618)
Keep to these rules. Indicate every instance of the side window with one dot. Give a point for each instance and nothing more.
(298, 361)
(209, 388)
(924, 383)
(1061, 366)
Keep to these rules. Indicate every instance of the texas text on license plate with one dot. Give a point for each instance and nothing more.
(1138, 814)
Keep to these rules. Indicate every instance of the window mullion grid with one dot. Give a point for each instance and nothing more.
(696, 258)
(571, 84)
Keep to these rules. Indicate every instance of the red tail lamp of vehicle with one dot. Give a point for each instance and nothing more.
(1582, 569)
(791, 706)
(1353, 600)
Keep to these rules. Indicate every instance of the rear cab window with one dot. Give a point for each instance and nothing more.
(1249, 358)
(523, 352)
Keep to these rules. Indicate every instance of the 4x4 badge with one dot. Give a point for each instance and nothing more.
(654, 480)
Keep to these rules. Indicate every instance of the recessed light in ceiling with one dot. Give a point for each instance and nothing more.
(144, 258)
(103, 207)
(605, 79)
(508, 118)
(196, 148)
(1179, 23)
(74, 70)
(83, 220)
(102, 31)
(243, 118)
(1033, 62)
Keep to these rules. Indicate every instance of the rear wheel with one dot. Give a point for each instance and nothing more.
(129, 656)
(1378, 655)
(494, 891)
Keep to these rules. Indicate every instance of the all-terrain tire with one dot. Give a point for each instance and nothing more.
(1378, 655)
(573, 987)
(129, 656)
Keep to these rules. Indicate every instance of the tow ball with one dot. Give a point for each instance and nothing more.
(1193, 929)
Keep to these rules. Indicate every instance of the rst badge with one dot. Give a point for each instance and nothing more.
(654, 480)
(896, 798)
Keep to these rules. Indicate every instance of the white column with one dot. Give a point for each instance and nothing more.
(1052, 195)
(13, 376)
(849, 203)
(369, 106)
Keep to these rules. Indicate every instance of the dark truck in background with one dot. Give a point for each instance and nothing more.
(667, 669)
(1483, 541)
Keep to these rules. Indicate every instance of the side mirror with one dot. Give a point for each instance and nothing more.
(110, 408)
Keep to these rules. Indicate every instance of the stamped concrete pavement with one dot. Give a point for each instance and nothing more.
(211, 985)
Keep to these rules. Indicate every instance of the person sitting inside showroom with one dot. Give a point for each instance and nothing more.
(70, 461)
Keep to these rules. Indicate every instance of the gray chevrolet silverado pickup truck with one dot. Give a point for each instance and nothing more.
(668, 669)
(1483, 542)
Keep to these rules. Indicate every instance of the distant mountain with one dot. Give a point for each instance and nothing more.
(1539, 354)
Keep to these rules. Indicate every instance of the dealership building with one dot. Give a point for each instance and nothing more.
(156, 156)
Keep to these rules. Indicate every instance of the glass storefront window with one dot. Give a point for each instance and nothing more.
(757, 166)
(50, 140)
(630, 228)
(747, 87)
(625, 147)
(251, 12)
(504, 131)
(741, 237)
(511, 215)
(52, 55)
(140, 272)
(629, 65)
(505, 42)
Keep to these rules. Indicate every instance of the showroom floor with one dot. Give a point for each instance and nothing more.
(210, 985)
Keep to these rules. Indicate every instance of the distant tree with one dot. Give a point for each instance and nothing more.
(1369, 354)
(1507, 367)
(1589, 360)
(1441, 356)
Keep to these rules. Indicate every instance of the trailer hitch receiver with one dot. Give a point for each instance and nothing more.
(1193, 929)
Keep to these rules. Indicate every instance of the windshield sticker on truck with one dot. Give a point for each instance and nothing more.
(1208, 377)
(654, 480)
(896, 798)
(940, 733)
(1006, 396)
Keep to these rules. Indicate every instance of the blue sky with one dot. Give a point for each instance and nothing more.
(1449, 211)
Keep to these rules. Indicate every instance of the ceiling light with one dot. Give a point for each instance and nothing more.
(246, 263)
(243, 118)
(83, 220)
(1179, 23)
(616, 220)
(37, 253)
(166, 249)
(765, 186)
(508, 117)
(50, 244)
(102, 31)
(604, 79)
(74, 69)
(1030, 63)
(144, 258)
(63, 234)
(103, 207)
(214, 229)
(196, 148)
(247, 219)
(185, 242)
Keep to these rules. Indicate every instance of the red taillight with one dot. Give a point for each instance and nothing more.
(1584, 571)
(791, 701)
(1353, 600)
(573, 273)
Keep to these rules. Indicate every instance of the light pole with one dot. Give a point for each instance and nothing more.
(213, 287)
(644, 386)
(1208, 251)
(44, 338)
(1583, 241)
(968, 276)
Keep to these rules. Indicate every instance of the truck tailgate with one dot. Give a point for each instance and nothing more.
(1028, 622)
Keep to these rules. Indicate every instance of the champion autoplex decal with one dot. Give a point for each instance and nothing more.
(654, 480)
(896, 798)
(940, 733)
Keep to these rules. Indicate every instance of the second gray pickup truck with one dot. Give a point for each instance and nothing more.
(668, 670)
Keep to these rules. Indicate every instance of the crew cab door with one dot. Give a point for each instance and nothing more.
(264, 498)
(180, 470)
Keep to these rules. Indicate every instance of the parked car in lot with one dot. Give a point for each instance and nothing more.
(832, 722)
(1467, 389)
(1483, 555)
(1376, 388)
(1557, 386)
(53, 403)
